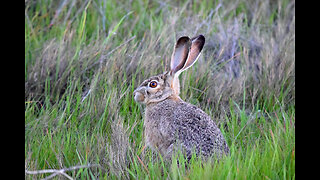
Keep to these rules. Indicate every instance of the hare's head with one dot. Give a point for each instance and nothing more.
(163, 86)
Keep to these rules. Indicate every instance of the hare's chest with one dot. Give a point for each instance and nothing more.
(157, 130)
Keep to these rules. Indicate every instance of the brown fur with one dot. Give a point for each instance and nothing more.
(170, 123)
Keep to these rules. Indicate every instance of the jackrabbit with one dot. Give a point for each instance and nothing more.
(170, 123)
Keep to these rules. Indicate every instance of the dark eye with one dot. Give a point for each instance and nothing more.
(153, 84)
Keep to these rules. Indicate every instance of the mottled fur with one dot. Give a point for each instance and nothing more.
(172, 124)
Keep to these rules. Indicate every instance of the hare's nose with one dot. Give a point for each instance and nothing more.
(138, 96)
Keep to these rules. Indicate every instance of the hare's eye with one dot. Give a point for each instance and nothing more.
(153, 84)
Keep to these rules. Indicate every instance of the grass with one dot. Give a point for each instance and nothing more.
(83, 59)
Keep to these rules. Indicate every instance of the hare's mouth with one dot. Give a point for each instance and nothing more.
(138, 97)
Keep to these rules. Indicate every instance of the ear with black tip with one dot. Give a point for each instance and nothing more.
(196, 47)
(180, 54)
(185, 54)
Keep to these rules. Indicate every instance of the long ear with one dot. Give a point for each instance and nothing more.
(196, 47)
(180, 54)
